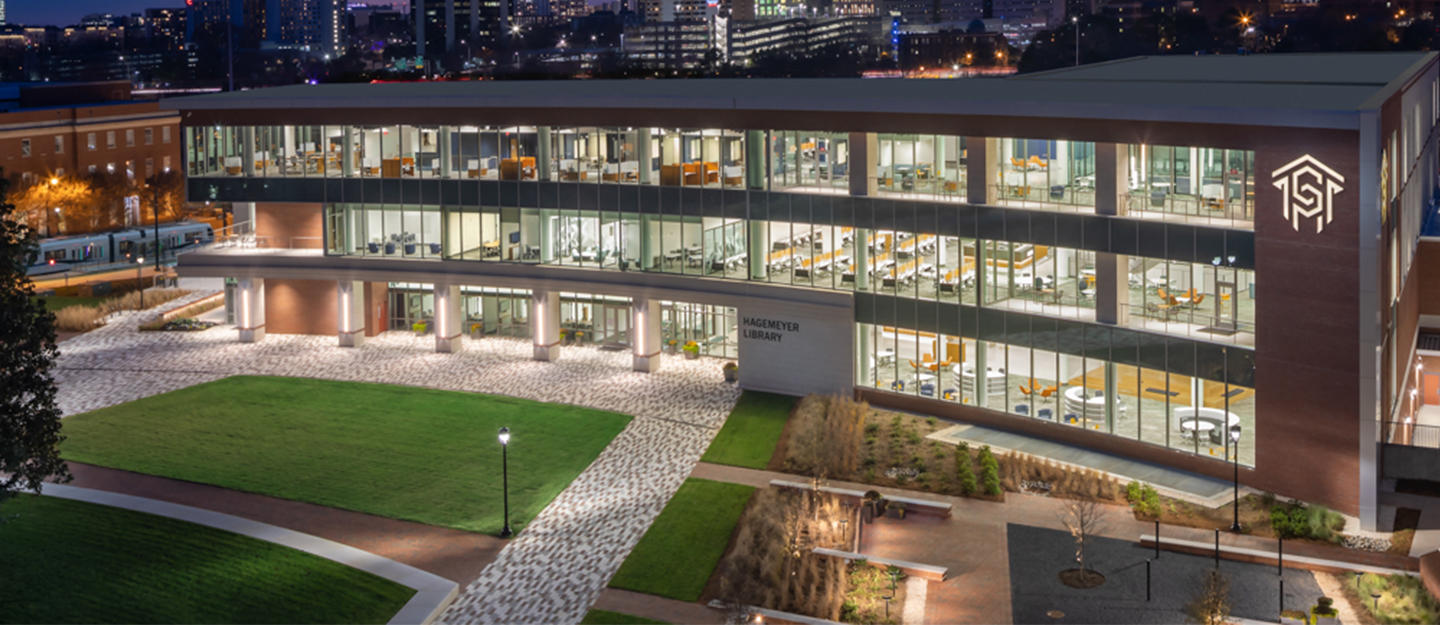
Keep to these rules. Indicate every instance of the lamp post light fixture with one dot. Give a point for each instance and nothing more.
(1076, 22)
(1235, 448)
(505, 476)
(887, 599)
(140, 265)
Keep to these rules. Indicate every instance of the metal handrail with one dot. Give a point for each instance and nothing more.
(1410, 434)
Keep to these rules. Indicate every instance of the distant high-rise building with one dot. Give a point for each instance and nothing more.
(444, 26)
(167, 27)
(2, 12)
(317, 25)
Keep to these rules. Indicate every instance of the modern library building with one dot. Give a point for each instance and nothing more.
(1188, 261)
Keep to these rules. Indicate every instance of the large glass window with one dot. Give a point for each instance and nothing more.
(1202, 184)
(1038, 172)
(1039, 381)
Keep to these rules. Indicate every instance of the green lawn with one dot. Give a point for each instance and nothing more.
(680, 550)
(604, 617)
(53, 304)
(75, 562)
(751, 431)
(395, 451)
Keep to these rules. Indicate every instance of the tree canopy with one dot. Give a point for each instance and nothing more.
(29, 419)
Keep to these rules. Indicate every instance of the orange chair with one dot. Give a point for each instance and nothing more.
(1025, 390)
(1162, 294)
(1198, 298)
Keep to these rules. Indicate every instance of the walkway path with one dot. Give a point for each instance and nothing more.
(456, 555)
(556, 569)
(657, 608)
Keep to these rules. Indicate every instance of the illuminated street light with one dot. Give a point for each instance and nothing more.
(505, 472)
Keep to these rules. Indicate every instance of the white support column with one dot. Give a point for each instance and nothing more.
(862, 259)
(759, 248)
(542, 153)
(250, 318)
(351, 313)
(347, 150)
(545, 320)
(645, 328)
(449, 314)
(447, 136)
(247, 150)
(642, 147)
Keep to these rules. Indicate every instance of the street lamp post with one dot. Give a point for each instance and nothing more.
(505, 473)
(139, 266)
(1235, 448)
(1076, 21)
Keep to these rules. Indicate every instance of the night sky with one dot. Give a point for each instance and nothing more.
(67, 12)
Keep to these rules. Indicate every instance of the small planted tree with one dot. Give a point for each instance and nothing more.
(1083, 519)
(1211, 603)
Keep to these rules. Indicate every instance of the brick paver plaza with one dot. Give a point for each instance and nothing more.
(555, 570)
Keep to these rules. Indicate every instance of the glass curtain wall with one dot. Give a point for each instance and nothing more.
(1207, 183)
(1046, 172)
(921, 166)
(1106, 388)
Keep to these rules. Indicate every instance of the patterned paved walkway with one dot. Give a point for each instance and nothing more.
(555, 570)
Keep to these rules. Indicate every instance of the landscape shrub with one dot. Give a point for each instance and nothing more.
(1403, 599)
(1144, 499)
(1296, 520)
(78, 318)
(964, 472)
(989, 472)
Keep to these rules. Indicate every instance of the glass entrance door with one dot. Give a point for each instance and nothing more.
(616, 326)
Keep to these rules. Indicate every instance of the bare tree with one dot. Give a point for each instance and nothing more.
(1211, 603)
(1084, 519)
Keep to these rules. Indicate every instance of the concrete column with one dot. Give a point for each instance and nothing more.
(862, 259)
(1112, 288)
(542, 156)
(940, 241)
(982, 381)
(864, 156)
(547, 236)
(649, 234)
(755, 171)
(645, 333)
(545, 324)
(347, 151)
(447, 135)
(250, 317)
(642, 148)
(351, 313)
(449, 316)
(1112, 396)
(981, 272)
(247, 149)
(981, 172)
(865, 374)
(759, 248)
(940, 141)
(1111, 178)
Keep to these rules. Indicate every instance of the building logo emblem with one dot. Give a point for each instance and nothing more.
(1309, 189)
